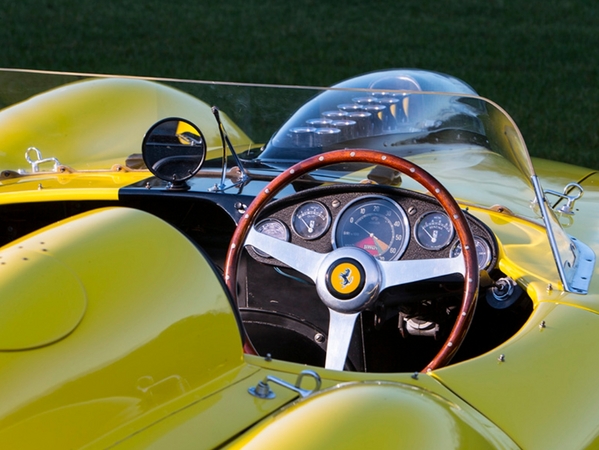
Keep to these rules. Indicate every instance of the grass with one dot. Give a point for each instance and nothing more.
(538, 59)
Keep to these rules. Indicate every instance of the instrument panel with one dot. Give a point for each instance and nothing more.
(388, 224)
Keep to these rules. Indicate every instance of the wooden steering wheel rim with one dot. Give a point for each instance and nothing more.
(435, 188)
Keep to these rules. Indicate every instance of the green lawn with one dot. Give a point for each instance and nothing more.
(538, 59)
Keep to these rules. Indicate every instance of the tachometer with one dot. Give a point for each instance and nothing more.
(376, 224)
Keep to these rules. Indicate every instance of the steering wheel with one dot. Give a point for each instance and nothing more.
(348, 280)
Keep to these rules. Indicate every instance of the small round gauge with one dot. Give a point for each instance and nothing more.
(311, 220)
(274, 228)
(483, 252)
(376, 224)
(434, 231)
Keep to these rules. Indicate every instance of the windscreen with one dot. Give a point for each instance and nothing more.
(94, 122)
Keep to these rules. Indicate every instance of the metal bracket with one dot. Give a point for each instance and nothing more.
(37, 160)
(240, 173)
(568, 208)
(262, 389)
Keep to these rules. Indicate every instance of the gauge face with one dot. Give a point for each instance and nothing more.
(483, 252)
(274, 228)
(434, 231)
(375, 224)
(311, 220)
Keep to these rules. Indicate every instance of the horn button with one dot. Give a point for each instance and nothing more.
(345, 278)
(349, 280)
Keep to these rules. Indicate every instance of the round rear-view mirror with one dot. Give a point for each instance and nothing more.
(174, 150)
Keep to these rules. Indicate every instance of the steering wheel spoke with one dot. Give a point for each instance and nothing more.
(299, 258)
(409, 271)
(341, 328)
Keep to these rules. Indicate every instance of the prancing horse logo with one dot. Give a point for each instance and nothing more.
(346, 277)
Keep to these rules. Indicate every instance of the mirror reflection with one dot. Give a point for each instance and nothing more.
(174, 150)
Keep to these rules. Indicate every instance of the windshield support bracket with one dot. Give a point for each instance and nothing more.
(242, 174)
(575, 260)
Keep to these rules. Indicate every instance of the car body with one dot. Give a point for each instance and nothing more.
(193, 264)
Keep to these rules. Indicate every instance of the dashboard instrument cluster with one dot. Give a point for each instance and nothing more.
(390, 225)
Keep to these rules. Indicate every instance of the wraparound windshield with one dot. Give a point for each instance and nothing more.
(467, 142)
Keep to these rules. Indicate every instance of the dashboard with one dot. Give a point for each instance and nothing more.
(388, 223)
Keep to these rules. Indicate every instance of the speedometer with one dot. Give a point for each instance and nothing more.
(376, 224)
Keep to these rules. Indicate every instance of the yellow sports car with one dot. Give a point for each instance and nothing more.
(377, 264)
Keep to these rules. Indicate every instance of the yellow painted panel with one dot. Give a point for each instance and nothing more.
(33, 312)
(210, 422)
(373, 415)
(76, 186)
(158, 326)
(555, 175)
(545, 382)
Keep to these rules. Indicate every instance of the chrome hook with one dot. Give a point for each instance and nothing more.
(568, 208)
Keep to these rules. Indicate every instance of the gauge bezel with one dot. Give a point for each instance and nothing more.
(445, 243)
(477, 240)
(271, 219)
(320, 233)
(367, 199)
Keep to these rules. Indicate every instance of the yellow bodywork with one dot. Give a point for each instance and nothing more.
(116, 331)
(108, 355)
(159, 365)
(381, 414)
(549, 364)
(104, 354)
